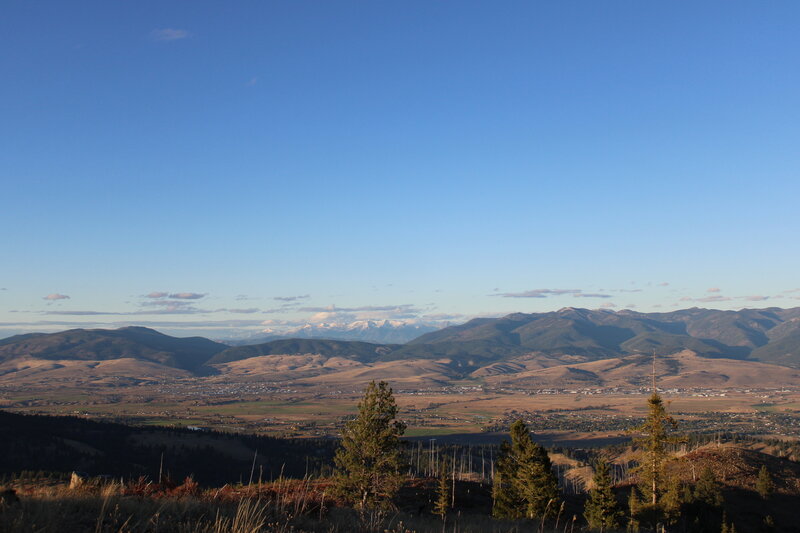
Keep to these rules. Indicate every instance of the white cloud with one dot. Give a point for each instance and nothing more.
(545, 293)
(187, 295)
(169, 34)
(292, 298)
(56, 296)
(714, 289)
(707, 299)
(157, 294)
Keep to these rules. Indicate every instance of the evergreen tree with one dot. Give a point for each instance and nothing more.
(443, 494)
(633, 512)
(601, 510)
(368, 463)
(525, 485)
(506, 501)
(707, 490)
(704, 512)
(537, 484)
(653, 443)
(673, 499)
(764, 485)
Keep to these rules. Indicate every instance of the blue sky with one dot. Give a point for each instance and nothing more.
(410, 160)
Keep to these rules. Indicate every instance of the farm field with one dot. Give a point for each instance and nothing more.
(564, 415)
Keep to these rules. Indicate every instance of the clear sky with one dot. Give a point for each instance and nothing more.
(204, 164)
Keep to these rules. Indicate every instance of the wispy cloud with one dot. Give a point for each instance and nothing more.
(707, 299)
(292, 298)
(756, 298)
(546, 293)
(246, 311)
(82, 313)
(188, 295)
(538, 293)
(166, 303)
(160, 295)
(436, 317)
(367, 308)
(169, 34)
(714, 289)
(663, 284)
(56, 296)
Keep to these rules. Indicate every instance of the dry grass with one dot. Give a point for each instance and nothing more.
(283, 506)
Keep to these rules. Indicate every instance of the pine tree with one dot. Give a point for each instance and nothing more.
(707, 490)
(673, 498)
(443, 494)
(655, 435)
(507, 502)
(633, 512)
(525, 485)
(601, 510)
(705, 511)
(537, 484)
(368, 463)
(653, 443)
(764, 485)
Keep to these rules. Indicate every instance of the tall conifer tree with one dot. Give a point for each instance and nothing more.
(655, 436)
(368, 462)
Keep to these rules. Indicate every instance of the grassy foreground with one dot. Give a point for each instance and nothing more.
(295, 506)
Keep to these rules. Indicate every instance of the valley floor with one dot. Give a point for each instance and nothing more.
(482, 413)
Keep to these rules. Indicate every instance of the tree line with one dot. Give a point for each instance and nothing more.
(370, 468)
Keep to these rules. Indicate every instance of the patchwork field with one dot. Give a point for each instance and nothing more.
(467, 411)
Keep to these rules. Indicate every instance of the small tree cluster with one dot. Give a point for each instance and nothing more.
(525, 485)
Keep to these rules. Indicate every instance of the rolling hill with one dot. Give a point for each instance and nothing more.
(768, 335)
(135, 343)
(568, 346)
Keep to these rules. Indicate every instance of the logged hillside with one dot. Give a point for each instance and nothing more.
(64, 444)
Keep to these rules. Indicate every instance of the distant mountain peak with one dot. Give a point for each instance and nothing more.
(379, 331)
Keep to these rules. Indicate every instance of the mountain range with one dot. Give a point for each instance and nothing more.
(565, 346)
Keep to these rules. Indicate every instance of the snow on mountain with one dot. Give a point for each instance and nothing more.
(378, 331)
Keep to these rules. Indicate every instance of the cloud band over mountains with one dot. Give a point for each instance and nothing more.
(546, 293)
